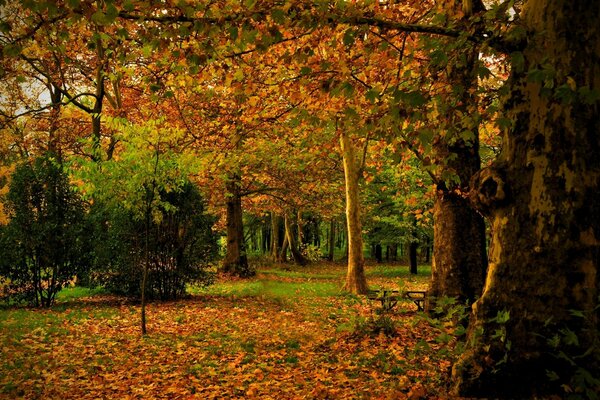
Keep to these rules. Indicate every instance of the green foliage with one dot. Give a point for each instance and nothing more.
(181, 246)
(576, 363)
(46, 242)
(144, 201)
(311, 253)
(398, 206)
(449, 324)
(382, 324)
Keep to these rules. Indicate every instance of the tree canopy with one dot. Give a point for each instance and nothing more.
(466, 130)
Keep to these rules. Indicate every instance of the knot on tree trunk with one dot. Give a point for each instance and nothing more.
(488, 190)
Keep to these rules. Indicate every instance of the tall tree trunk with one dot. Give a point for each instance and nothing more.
(275, 240)
(289, 235)
(265, 237)
(236, 261)
(356, 281)
(378, 253)
(331, 246)
(459, 256)
(282, 257)
(317, 236)
(300, 226)
(96, 113)
(412, 257)
(54, 147)
(543, 198)
(412, 248)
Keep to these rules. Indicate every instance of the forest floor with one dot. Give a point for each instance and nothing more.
(287, 333)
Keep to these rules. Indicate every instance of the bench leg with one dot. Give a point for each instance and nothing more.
(419, 304)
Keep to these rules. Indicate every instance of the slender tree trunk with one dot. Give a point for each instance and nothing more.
(317, 238)
(146, 258)
(412, 257)
(356, 281)
(378, 253)
(236, 261)
(265, 238)
(300, 225)
(54, 147)
(98, 104)
(543, 198)
(331, 246)
(148, 215)
(393, 252)
(283, 252)
(459, 257)
(289, 234)
(275, 239)
(143, 290)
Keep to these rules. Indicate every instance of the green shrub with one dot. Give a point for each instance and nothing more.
(46, 242)
(181, 247)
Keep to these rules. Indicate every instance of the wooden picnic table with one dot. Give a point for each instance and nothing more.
(389, 298)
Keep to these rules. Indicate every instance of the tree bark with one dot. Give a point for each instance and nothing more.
(459, 254)
(543, 199)
(300, 226)
(236, 261)
(356, 281)
(459, 258)
(54, 145)
(378, 253)
(317, 232)
(289, 235)
(331, 250)
(275, 238)
(282, 257)
(265, 238)
(412, 257)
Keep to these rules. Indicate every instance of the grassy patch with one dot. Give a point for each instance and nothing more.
(301, 274)
(18, 322)
(396, 271)
(270, 289)
(78, 292)
(240, 288)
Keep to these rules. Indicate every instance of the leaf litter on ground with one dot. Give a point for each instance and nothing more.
(262, 344)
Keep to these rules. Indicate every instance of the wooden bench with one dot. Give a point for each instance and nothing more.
(417, 297)
(389, 298)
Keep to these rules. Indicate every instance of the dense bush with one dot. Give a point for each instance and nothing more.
(46, 242)
(181, 246)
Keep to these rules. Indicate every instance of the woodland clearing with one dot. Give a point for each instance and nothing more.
(287, 333)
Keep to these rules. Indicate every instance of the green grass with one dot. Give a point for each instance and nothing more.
(316, 280)
(395, 271)
(16, 322)
(270, 288)
(65, 295)
(281, 273)
(77, 292)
